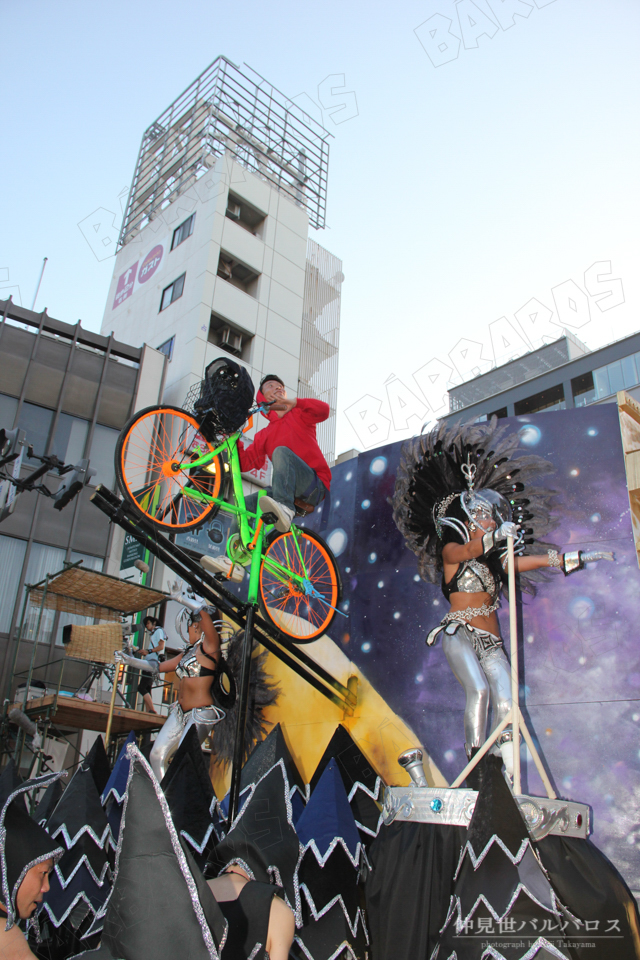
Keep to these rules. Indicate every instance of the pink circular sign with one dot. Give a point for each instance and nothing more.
(150, 264)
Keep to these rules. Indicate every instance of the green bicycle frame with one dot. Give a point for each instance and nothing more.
(251, 538)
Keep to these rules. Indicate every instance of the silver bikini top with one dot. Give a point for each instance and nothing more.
(472, 576)
(189, 665)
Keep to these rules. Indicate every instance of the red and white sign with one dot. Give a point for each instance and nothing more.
(125, 286)
(151, 263)
(143, 270)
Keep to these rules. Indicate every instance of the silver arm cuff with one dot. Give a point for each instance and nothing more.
(572, 562)
(488, 542)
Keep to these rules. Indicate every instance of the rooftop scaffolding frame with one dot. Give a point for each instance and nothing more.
(226, 110)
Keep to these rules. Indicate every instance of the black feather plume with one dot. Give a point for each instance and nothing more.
(430, 469)
(263, 693)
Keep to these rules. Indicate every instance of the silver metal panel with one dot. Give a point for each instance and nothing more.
(564, 818)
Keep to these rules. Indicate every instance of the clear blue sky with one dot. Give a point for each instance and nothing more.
(458, 193)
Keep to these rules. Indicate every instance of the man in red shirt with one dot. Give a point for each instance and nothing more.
(299, 467)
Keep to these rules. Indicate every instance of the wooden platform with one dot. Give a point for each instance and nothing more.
(85, 715)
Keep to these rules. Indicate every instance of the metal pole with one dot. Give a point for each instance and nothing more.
(114, 690)
(515, 684)
(241, 719)
(35, 296)
(21, 736)
(18, 639)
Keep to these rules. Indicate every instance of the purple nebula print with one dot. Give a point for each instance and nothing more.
(578, 638)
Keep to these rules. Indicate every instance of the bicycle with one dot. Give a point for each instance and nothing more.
(175, 467)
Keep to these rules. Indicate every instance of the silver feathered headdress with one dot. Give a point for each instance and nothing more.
(434, 471)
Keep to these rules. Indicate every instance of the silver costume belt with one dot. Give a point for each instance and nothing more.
(484, 643)
(210, 714)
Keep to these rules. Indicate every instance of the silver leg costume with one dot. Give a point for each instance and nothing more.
(479, 664)
(174, 730)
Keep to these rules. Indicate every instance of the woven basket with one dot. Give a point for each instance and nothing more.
(95, 643)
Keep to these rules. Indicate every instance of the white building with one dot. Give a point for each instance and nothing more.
(214, 253)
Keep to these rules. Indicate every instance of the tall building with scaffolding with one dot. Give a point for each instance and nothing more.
(214, 254)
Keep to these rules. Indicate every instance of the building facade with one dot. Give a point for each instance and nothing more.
(557, 376)
(72, 391)
(214, 254)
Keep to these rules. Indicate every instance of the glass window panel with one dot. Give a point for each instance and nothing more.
(616, 381)
(42, 560)
(70, 438)
(601, 381)
(88, 562)
(166, 297)
(101, 455)
(37, 422)
(12, 553)
(178, 287)
(8, 407)
(629, 375)
(167, 348)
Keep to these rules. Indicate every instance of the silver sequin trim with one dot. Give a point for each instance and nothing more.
(83, 859)
(8, 900)
(317, 914)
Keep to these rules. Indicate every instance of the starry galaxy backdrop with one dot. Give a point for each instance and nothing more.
(579, 637)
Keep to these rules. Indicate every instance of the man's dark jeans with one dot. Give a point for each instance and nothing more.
(291, 478)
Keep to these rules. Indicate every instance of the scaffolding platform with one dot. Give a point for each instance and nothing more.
(83, 714)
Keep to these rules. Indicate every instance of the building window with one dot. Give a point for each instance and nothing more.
(229, 338)
(551, 399)
(11, 559)
(181, 233)
(246, 216)
(102, 454)
(172, 292)
(36, 421)
(8, 407)
(43, 559)
(619, 375)
(70, 438)
(237, 274)
(500, 414)
(583, 390)
(167, 348)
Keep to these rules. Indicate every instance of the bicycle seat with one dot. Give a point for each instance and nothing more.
(302, 507)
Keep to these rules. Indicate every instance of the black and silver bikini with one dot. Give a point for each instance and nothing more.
(190, 667)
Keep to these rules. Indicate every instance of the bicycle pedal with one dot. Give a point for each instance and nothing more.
(269, 518)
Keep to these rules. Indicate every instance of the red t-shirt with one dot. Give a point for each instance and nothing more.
(295, 430)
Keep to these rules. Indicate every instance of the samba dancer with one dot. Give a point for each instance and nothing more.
(198, 668)
(461, 535)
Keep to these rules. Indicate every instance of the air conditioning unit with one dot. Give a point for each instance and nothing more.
(230, 340)
(233, 211)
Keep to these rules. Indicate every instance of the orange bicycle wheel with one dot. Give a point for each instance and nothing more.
(153, 457)
(300, 611)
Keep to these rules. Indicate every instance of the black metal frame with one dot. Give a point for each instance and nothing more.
(240, 612)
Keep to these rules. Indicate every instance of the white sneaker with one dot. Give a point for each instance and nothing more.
(232, 571)
(284, 515)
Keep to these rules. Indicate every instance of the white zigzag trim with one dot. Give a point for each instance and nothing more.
(97, 880)
(358, 785)
(491, 952)
(99, 841)
(350, 955)
(476, 861)
(355, 859)
(317, 914)
(198, 846)
(79, 896)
